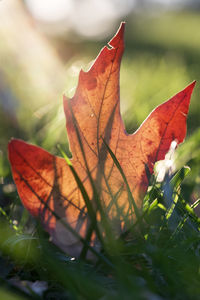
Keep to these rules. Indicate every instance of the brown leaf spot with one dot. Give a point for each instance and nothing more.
(91, 83)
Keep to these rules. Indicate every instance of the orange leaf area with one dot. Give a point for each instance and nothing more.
(45, 182)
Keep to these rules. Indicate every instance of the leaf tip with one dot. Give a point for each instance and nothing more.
(119, 36)
(187, 92)
(11, 143)
(191, 86)
(11, 150)
(14, 144)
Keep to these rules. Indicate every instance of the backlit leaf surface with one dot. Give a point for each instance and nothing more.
(93, 116)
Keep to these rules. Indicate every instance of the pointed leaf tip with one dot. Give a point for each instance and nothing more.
(191, 86)
(187, 91)
(11, 145)
(119, 36)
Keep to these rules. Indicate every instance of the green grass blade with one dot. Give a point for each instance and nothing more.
(130, 196)
(91, 212)
(178, 178)
(96, 197)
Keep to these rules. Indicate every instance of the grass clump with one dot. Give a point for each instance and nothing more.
(158, 257)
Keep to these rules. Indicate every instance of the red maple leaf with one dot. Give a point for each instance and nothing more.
(46, 183)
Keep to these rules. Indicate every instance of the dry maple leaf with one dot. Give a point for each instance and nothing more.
(93, 120)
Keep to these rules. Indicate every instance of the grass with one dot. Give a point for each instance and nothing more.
(160, 261)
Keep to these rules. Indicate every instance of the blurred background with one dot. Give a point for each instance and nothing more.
(43, 45)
